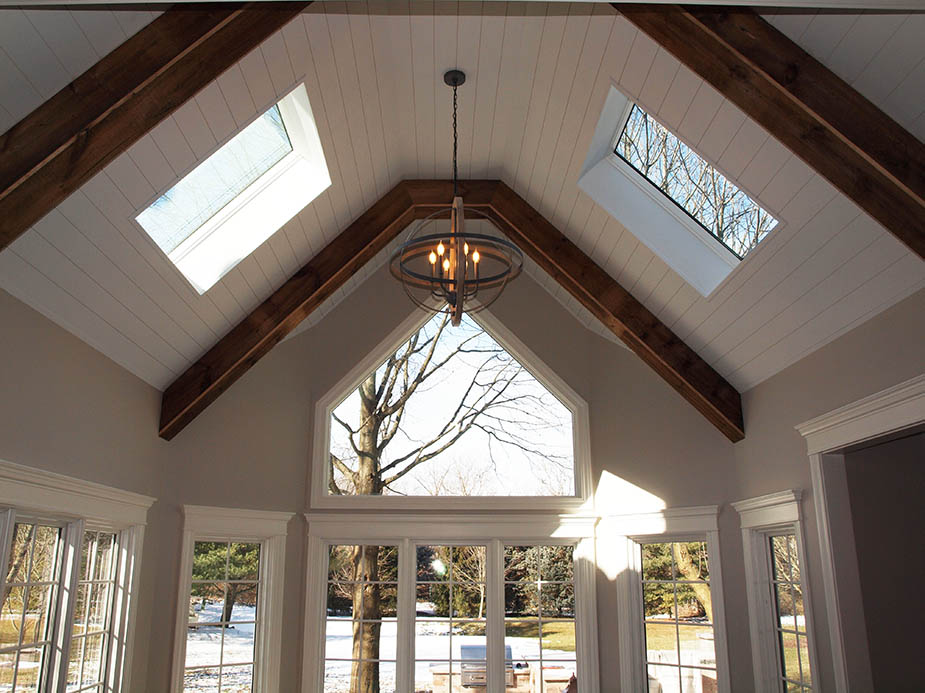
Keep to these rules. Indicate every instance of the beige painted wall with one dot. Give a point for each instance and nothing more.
(71, 410)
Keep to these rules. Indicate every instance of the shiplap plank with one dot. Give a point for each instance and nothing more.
(894, 61)
(642, 55)
(427, 83)
(789, 179)
(195, 131)
(743, 148)
(152, 165)
(59, 30)
(446, 35)
(133, 20)
(562, 91)
(17, 94)
(491, 47)
(719, 133)
(468, 59)
(906, 103)
(216, 113)
(825, 31)
(766, 163)
(701, 112)
(370, 94)
(664, 291)
(174, 147)
(659, 79)
(100, 27)
(31, 54)
(550, 44)
(29, 285)
(59, 232)
(861, 43)
(80, 211)
(35, 249)
(238, 97)
(677, 101)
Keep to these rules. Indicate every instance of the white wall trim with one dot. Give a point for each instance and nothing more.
(41, 491)
(232, 524)
(881, 413)
(760, 518)
(581, 436)
(676, 521)
(893, 409)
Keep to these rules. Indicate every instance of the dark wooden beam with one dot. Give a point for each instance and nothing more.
(72, 136)
(276, 317)
(616, 308)
(818, 116)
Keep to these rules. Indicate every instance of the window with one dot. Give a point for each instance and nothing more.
(223, 620)
(92, 629)
(441, 616)
(230, 608)
(675, 202)
(33, 575)
(678, 616)
(223, 209)
(451, 413)
(724, 210)
(69, 551)
(778, 600)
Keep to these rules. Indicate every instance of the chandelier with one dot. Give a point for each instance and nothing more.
(446, 268)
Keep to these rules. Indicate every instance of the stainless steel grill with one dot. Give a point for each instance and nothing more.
(474, 666)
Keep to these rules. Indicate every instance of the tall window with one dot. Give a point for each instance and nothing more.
(223, 620)
(91, 632)
(33, 576)
(539, 616)
(361, 627)
(451, 413)
(696, 186)
(678, 617)
(790, 618)
(450, 647)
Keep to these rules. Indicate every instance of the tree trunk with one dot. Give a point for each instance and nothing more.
(686, 567)
(230, 599)
(364, 675)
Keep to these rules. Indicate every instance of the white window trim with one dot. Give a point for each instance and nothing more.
(623, 534)
(883, 413)
(654, 218)
(761, 518)
(204, 523)
(581, 434)
(493, 530)
(81, 504)
(274, 198)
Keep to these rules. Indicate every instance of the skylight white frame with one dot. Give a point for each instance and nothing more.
(76, 505)
(264, 527)
(571, 400)
(261, 209)
(669, 231)
(761, 518)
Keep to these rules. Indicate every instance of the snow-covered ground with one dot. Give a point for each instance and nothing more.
(432, 644)
(204, 648)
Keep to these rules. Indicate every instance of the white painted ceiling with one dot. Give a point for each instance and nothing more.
(537, 78)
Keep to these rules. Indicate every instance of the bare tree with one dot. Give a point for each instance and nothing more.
(379, 450)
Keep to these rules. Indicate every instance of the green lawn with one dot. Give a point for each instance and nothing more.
(662, 636)
(558, 634)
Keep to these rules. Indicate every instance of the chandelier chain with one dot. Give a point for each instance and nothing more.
(455, 143)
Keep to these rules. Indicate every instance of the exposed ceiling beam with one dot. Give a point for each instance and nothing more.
(295, 300)
(817, 115)
(65, 141)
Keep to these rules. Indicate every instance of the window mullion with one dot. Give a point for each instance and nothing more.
(494, 627)
(407, 568)
(66, 599)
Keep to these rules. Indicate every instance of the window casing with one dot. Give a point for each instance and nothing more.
(322, 497)
(228, 550)
(697, 659)
(780, 613)
(77, 600)
(452, 600)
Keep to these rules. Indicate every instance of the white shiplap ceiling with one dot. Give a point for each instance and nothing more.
(537, 78)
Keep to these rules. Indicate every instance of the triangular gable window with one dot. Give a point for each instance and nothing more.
(451, 412)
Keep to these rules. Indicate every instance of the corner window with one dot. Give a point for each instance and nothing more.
(678, 617)
(789, 615)
(450, 411)
(717, 204)
(223, 209)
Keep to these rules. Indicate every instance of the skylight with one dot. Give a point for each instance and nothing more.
(223, 209)
(724, 210)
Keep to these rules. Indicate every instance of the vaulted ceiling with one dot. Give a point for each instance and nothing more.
(538, 75)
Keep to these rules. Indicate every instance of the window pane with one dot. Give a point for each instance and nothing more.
(486, 402)
(243, 561)
(20, 551)
(558, 639)
(210, 560)
(804, 660)
(29, 669)
(436, 677)
(201, 681)
(696, 644)
(238, 646)
(432, 639)
(557, 600)
(44, 556)
(240, 601)
(556, 562)
(38, 613)
(521, 563)
(662, 642)
(780, 554)
(694, 184)
(663, 678)
(522, 599)
(204, 646)
(238, 679)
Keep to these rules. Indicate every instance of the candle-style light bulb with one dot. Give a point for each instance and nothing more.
(432, 257)
(440, 249)
(465, 248)
(446, 265)
(475, 256)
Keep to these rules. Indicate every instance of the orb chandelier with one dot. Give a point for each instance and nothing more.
(446, 268)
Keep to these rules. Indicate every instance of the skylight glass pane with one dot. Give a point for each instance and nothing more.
(697, 187)
(176, 214)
